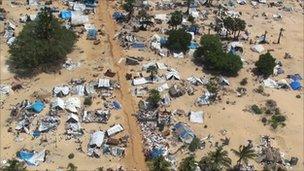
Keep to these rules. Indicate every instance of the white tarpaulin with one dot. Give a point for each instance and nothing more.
(64, 90)
(270, 83)
(79, 19)
(37, 158)
(258, 48)
(139, 81)
(196, 117)
(97, 138)
(172, 75)
(58, 103)
(114, 129)
(104, 83)
(72, 104)
(163, 87)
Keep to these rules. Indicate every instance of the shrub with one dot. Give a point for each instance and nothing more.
(88, 101)
(41, 46)
(256, 109)
(71, 156)
(265, 65)
(244, 81)
(277, 120)
(154, 98)
(178, 40)
(195, 144)
(176, 18)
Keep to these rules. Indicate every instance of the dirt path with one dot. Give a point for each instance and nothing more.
(135, 157)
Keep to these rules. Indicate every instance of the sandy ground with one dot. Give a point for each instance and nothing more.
(240, 126)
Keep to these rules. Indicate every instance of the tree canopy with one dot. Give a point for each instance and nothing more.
(188, 164)
(176, 18)
(159, 164)
(234, 26)
(14, 165)
(41, 46)
(244, 153)
(178, 40)
(215, 160)
(265, 64)
(195, 144)
(154, 98)
(212, 55)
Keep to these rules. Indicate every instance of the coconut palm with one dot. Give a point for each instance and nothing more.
(244, 153)
(14, 165)
(152, 70)
(215, 160)
(159, 164)
(188, 164)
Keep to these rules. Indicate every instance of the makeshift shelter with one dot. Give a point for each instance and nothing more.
(295, 85)
(196, 117)
(104, 83)
(65, 14)
(139, 81)
(38, 106)
(270, 83)
(114, 129)
(72, 104)
(184, 132)
(204, 99)
(156, 152)
(92, 34)
(78, 18)
(258, 48)
(173, 75)
(32, 158)
(235, 48)
(61, 90)
(176, 91)
(58, 103)
(97, 139)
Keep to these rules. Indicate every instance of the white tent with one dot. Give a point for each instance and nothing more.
(114, 129)
(97, 138)
(104, 83)
(163, 87)
(64, 90)
(173, 74)
(79, 19)
(72, 104)
(58, 103)
(72, 118)
(270, 83)
(79, 7)
(139, 81)
(196, 117)
(194, 80)
(78, 90)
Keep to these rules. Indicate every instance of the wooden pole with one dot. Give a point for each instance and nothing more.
(280, 35)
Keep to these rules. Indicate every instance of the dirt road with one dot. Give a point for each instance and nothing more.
(135, 157)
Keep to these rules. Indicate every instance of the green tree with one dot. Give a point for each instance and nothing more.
(71, 167)
(215, 160)
(128, 6)
(265, 64)
(176, 19)
(159, 164)
(153, 70)
(188, 164)
(154, 98)
(178, 40)
(14, 165)
(244, 153)
(144, 19)
(211, 54)
(195, 144)
(41, 46)
(277, 120)
(234, 26)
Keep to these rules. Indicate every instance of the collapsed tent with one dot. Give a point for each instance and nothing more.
(183, 132)
(97, 139)
(32, 158)
(72, 104)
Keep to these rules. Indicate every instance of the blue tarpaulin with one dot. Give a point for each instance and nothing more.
(25, 155)
(116, 105)
(156, 152)
(296, 77)
(92, 33)
(36, 133)
(65, 14)
(193, 29)
(193, 45)
(138, 45)
(38, 106)
(295, 85)
(163, 41)
(183, 132)
(118, 16)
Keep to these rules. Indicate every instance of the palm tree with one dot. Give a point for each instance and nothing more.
(152, 70)
(215, 160)
(14, 165)
(244, 153)
(159, 164)
(188, 164)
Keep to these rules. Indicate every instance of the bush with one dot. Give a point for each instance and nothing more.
(212, 55)
(244, 81)
(265, 65)
(178, 40)
(195, 144)
(41, 46)
(277, 120)
(188, 164)
(256, 109)
(71, 156)
(176, 18)
(234, 26)
(154, 98)
(88, 101)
